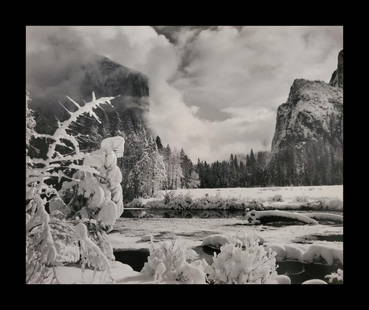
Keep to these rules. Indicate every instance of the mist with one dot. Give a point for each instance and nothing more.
(213, 90)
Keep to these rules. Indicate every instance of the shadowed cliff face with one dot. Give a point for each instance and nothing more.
(101, 75)
(307, 147)
(125, 118)
(337, 76)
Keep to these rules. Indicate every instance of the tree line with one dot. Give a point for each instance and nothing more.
(256, 169)
(181, 172)
(235, 172)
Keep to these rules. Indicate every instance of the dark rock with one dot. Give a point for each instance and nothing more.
(337, 76)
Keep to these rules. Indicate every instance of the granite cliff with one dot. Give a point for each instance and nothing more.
(307, 148)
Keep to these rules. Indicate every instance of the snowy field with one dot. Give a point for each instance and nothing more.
(289, 193)
(288, 198)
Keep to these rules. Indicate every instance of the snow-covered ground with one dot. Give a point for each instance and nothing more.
(298, 241)
(132, 233)
(288, 193)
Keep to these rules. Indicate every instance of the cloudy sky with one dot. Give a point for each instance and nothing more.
(213, 90)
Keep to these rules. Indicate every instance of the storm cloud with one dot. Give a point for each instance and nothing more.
(213, 90)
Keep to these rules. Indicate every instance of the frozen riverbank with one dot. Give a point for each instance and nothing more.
(131, 240)
(135, 233)
(131, 237)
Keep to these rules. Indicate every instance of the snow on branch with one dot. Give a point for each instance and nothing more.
(61, 131)
(44, 242)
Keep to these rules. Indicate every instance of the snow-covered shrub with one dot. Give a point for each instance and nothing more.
(168, 195)
(188, 198)
(276, 198)
(91, 254)
(135, 203)
(170, 261)
(67, 247)
(51, 238)
(247, 262)
(41, 251)
(286, 252)
(325, 254)
(303, 199)
(335, 277)
(185, 202)
(217, 241)
(178, 203)
(30, 121)
(332, 204)
(155, 204)
(98, 197)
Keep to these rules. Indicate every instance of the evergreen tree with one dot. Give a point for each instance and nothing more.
(159, 144)
(187, 169)
(148, 173)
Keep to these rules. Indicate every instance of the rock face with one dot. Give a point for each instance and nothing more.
(125, 118)
(337, 76)
(307, 148)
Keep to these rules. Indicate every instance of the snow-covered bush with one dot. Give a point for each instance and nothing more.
(30, 121)
(276, 198)
(170, 261)
(168, 195)
(286, 251)
(40, 250)
(135, 203)
(58, 237)
(335, 277)
(247, 262)
(303, 199)
(91, 255)
(185, 202)
(325, 254)
(332, 204)
(217, 241)
(101, 197)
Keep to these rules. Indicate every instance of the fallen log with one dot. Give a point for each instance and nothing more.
(261, 217)
(326, 217)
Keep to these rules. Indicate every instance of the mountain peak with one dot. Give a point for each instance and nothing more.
(337, 76)
(308, 140)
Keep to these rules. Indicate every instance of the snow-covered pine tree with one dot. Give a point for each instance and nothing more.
(175, 170)
(194, 180)
(187, 168)
(148, 173)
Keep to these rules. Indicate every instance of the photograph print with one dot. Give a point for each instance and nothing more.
(184, 155)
